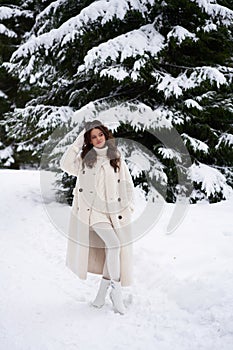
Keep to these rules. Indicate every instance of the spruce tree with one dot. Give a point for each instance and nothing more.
(151, 64)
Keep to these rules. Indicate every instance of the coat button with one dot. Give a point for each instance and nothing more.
(80, 190)
(88, 209)
(119, 199)
(83, 171)
(118, 180)
(119, 217)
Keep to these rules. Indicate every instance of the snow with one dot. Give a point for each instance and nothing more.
(144, 41)
(50, 116)
(6, 156)
(176, 86)
(212, 180)
(226, 139)
(180, 33)
(5, 31)
(137, 114)
(131, 44)
(41, 18)
(190, 103)
(181, 297)
(196, 144)
(169, 153)
(101, 10)
(119, 73)
(2, 94)
(210, 26)
(140, 160)
(168, 84)
(27, 71)
(222, 14)
(8, 12)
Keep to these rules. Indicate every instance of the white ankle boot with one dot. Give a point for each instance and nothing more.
(100, 297)
(116, 297)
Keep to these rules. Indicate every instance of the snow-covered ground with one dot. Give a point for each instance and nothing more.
(182, 293)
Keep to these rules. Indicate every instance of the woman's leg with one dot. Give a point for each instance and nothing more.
(106, 274)
(108, 235)
(112, 261)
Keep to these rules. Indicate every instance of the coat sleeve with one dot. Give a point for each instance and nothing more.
(71, 161)
(129, 185)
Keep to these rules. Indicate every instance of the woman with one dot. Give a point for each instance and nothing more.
(100, 239)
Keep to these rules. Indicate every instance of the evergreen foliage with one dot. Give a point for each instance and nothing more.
(152, 64)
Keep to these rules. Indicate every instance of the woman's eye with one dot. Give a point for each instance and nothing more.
(94, 137)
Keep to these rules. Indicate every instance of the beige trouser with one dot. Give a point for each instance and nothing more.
(106, 232)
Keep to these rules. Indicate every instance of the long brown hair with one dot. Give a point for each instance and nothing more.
(89, 155)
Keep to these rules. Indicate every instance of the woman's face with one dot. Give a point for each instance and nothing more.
(97, 138)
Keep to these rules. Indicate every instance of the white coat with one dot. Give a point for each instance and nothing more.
(85, 249)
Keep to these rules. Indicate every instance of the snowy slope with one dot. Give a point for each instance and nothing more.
(181, 298)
